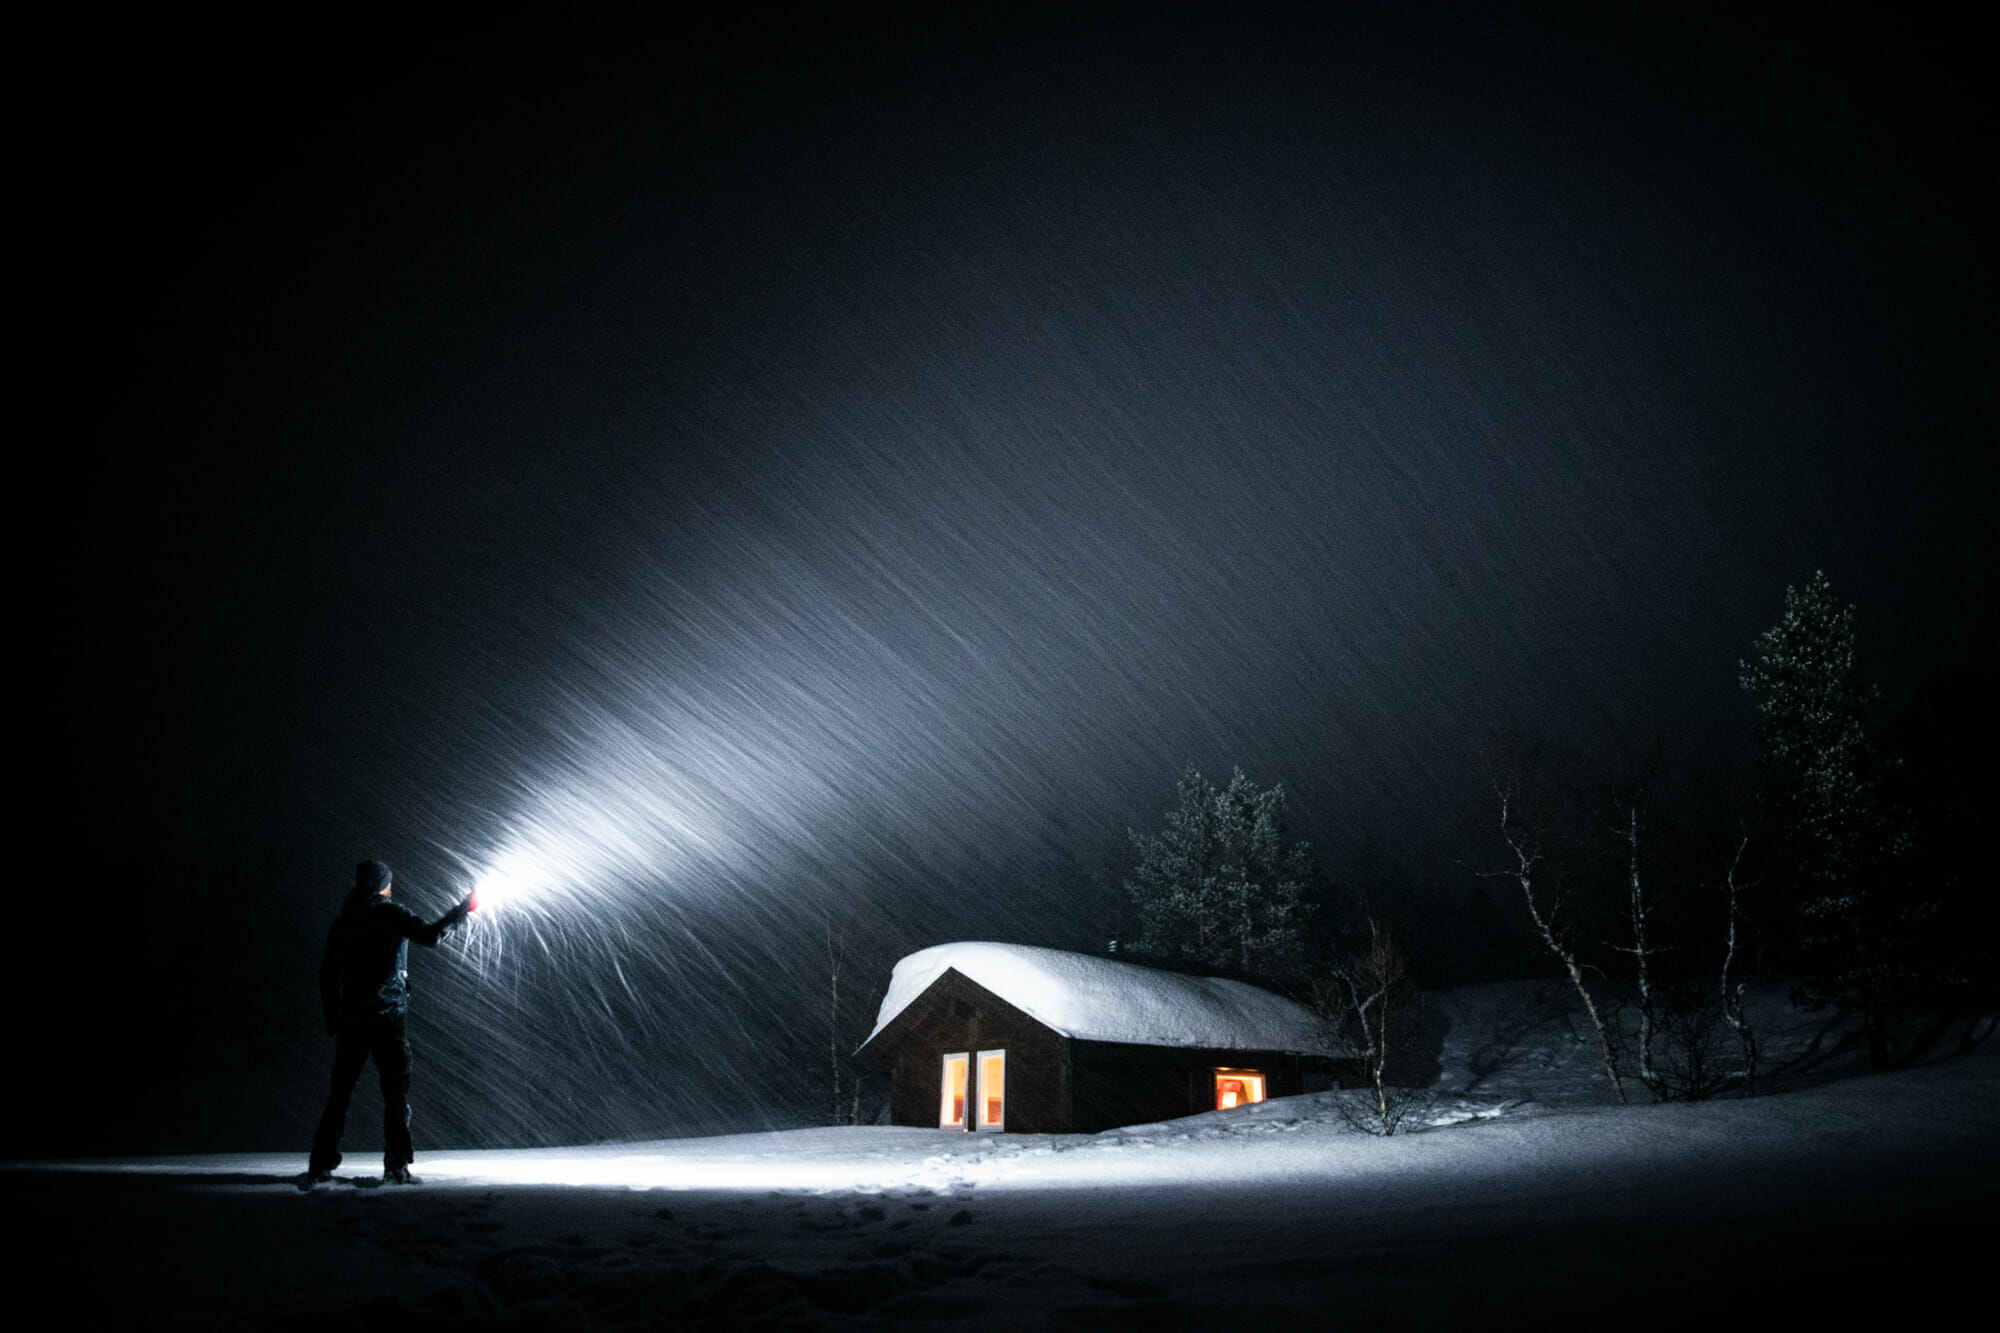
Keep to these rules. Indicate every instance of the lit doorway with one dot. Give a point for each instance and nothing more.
(973, 1096)
(952, 1101)
(993, 1090)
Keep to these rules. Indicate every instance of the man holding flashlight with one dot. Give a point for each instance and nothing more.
(365, 993)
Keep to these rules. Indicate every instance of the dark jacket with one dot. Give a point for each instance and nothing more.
(364, 972)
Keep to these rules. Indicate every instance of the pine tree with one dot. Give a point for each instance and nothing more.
(1220, 887)
(1841, 846)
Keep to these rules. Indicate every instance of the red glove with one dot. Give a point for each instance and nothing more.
(472, 901)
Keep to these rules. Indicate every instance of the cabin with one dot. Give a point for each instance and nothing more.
(993, 1037)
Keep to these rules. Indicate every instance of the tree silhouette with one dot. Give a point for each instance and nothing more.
(1842, 849)
(1220, 886)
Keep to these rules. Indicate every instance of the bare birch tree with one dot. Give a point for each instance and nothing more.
(1526, 848)
(836, 954)
(1367, 1001)
(1641, 949)
(1732, 984)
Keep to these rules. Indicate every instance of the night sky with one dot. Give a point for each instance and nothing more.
(832, 474)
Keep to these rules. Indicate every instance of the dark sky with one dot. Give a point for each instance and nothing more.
(840, 470)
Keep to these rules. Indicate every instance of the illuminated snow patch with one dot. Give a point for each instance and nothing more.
(646, 1171)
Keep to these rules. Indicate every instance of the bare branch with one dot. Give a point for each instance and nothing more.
(1528, 857)
(1732, 991)
(1649, 1074)
(1364, 999)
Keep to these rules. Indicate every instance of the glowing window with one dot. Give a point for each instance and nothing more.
(993, 1089)
(1237, 1087)
(951, 1105)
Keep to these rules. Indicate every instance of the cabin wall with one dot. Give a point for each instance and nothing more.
(959, 1015)
(1113, 1084)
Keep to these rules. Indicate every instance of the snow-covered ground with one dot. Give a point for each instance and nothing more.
(1523, 1199)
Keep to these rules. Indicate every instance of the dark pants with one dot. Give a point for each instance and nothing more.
(383, 1039)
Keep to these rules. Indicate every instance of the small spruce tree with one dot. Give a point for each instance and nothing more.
(1220, 886)
(1840, 844)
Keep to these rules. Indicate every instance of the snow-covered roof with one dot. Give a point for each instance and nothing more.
(1096, 999)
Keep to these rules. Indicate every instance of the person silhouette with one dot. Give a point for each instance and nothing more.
(365, 996)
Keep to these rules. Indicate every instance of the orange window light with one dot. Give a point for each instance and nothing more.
(992, 1089)
(1237, 1087)
(951, 1106)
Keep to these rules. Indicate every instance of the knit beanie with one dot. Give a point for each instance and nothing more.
(371, 877)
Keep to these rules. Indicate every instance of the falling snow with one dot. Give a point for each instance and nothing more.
(755, 511)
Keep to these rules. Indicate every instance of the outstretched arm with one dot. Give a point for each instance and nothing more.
(428, 935)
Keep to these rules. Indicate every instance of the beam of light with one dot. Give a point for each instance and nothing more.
(591, 833)
(512, 878)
